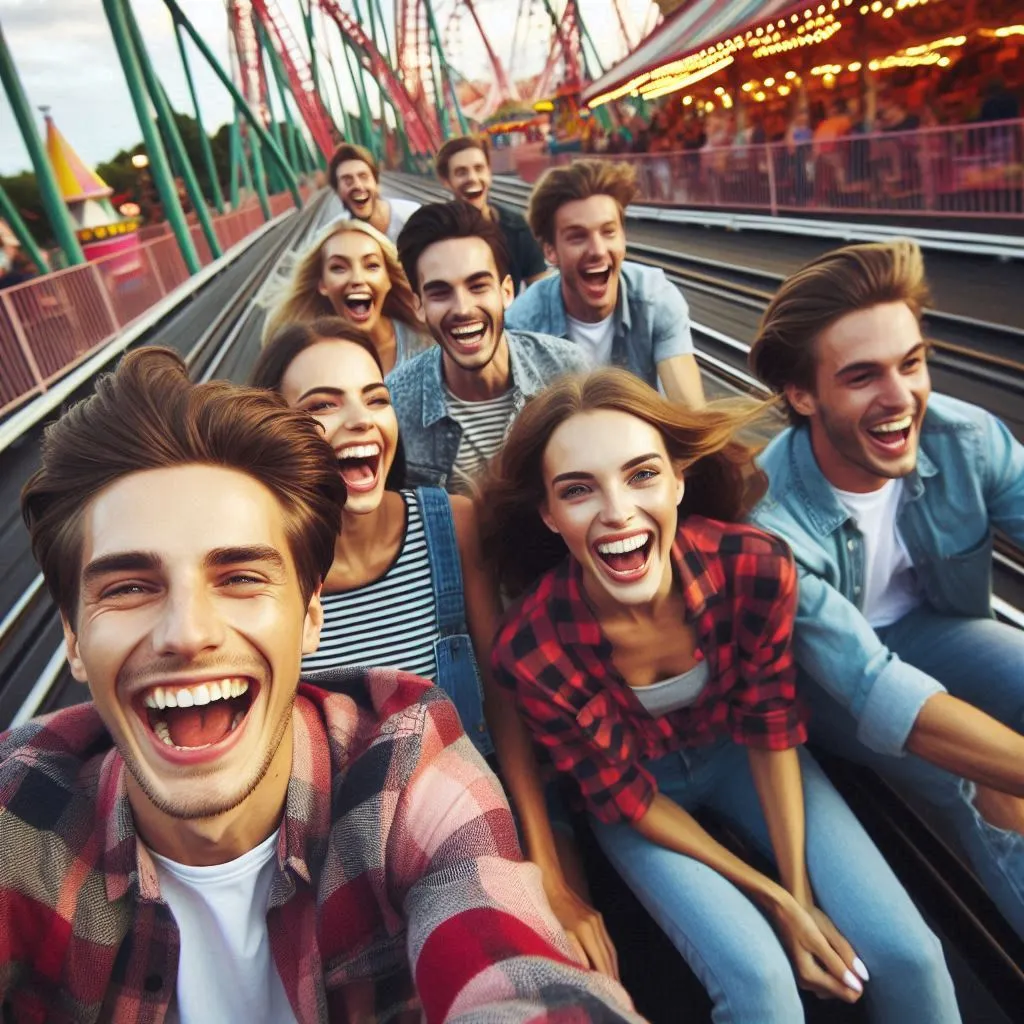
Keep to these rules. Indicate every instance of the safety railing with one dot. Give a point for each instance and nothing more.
(50, 323)
(967, 171)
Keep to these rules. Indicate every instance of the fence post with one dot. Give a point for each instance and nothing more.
(773, 197)
(19, 333)
(101, 284)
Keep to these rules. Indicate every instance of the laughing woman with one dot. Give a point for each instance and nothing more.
(407, 589)
(352, 271)
(650, 656)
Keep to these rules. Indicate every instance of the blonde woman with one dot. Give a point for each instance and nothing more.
(352, 271)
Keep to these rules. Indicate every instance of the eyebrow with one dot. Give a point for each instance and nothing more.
(575, 226)
(322, 389)
(854, 368)
(623, 468)
(480, 275)
(147, 561)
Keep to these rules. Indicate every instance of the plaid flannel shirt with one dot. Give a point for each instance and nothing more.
(399, 893)
(739, 585)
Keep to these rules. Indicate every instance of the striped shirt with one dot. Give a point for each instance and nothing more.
(389, 623)
(484, 426)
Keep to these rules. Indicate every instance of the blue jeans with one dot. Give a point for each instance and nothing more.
(980, 661)
(724, 936)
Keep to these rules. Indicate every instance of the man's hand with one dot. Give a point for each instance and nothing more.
(584, 927)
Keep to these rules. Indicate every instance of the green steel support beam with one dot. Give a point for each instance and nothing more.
(365, 119)
(282, 92)
(166, 116)
(372, 7)
(53, 202)
(237, 157)
(305, 6)
(259, 176)
(204, 142)
(279, 158)
(445, 70)
(158, 164)
(21, 231)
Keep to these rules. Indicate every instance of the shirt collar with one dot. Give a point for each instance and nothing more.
(435, 407)
(824, 509)
(304, 831)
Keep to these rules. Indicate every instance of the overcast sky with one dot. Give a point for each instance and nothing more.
(66, 59)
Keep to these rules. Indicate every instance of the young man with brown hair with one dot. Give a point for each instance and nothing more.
(615, 311)
(210, 839)
(354, 174)
(888, 496)
(456, 402)
(463, 166)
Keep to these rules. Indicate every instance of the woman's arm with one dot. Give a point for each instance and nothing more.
(802, 931)
(514, 750)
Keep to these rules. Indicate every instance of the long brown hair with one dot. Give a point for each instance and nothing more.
(722, 480)
(300, 301)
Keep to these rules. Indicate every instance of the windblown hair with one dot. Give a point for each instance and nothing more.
(149, 415)
(840, 282)
(299, 299)
(579, 180)
(437, 222)
(350, 151)
(722, 480)
(280, 352)
(459, 145)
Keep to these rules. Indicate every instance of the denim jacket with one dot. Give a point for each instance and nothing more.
(652, 319)
(969, 480)
(430, 436)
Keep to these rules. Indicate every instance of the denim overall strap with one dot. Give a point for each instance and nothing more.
(445, 564)
(457, 672)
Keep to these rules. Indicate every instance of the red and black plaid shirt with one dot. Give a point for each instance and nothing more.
(740, 588)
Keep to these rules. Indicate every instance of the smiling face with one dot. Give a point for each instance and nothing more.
(870, 395)
(589, 247)
(354, 278)
(189, 630)
(340, 385)
(357, 188)
(469, 177)
(612, 494)
(464, 300)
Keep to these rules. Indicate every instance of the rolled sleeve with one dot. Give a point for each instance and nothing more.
(764, 711)
(839, 649)
(670, 321)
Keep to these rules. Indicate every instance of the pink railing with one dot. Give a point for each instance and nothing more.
(955, 171)
(50, 323)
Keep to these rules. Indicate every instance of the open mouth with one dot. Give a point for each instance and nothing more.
(358, 198)
(468, 336)
(893, 436)
(597, 278)
(625, 558)
(472, 193)
(358, 305)
(198, 716)
(359, 465)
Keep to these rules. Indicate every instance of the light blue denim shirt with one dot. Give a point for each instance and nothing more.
(652, 319)
(969, 479)
(430, 436)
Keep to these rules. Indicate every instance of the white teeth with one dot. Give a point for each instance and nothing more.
(893, 426)
(359, 451)
(161, 697)
(362, 297)
(467, 331)
(595, 272)
(621, 547)
(163, 733)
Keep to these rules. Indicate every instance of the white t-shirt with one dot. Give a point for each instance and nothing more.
(401, 211)
(890, 582)
(225, 969)
(594, 340)
(484, 428)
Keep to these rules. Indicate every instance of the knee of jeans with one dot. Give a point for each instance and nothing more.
(762, 987)
(909, 955)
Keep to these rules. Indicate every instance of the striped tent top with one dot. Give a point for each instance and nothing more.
(389, 623)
